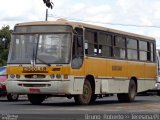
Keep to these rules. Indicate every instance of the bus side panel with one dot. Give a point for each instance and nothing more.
(145, 74)
(145, 84)
(114, 86)
(150, 70)
(149, 79)
(95, 67)
(136, 69)
(117, 68)
(118, 81)
(110, 75)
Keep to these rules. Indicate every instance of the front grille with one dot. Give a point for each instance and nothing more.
(35, 85)
(35, 76)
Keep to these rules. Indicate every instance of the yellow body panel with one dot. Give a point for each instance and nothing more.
(49, 70)
(105, 68)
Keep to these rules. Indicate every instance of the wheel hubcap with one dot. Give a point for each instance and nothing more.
(133, 91)
(86, 93)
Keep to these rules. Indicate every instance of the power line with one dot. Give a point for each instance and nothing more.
(109, 23)
(150, 26)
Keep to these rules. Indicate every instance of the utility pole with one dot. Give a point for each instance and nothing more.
(49, 4)
(46, 14)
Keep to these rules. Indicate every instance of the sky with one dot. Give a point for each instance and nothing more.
(100, 12)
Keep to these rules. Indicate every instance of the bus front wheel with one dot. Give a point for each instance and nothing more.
(12, 97)
(130, 96)
(85, 98)
(36, 99)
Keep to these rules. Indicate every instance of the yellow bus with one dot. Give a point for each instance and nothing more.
(73, 59)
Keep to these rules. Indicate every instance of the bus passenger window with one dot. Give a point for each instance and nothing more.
(132, 49)
(120, 47)
(143, 50)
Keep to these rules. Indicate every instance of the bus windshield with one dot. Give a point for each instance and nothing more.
(52, 48)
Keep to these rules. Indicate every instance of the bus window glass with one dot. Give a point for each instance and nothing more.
(90, 49)
(142, 45)
(116, 52)
(143, 55)
(132, 44)
(102, 39)
(122, 53)
(119, 42)
(109, 40)
(152, 51)
(119, 49)
(54, 47)
(132, 49)
(119, 53)
(143, 51)
(132, 54)
(23, 48)
(108, 51)
(152, 48)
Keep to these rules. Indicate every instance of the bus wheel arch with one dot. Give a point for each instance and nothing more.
(132, 91)
(93, 85)
(92, 81)
(88, 95)
(136, 82)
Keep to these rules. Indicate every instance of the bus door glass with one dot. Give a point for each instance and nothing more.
(77, 50)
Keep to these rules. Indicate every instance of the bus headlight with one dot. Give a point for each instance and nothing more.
(18, 76)
(52, 76)
(65, 76)
(58, 76)
(12, 76)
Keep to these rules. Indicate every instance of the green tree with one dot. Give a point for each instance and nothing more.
(5, 37)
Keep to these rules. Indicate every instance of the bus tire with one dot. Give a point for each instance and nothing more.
(158, 92)
(36, 99)
(130, 96)
(12, 97)
(85, 98)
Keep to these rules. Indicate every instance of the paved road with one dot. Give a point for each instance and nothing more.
(64, 105)
(145, 104)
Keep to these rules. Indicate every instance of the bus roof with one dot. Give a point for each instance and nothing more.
(84, 25)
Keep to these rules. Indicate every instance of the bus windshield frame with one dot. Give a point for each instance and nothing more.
(38, 46)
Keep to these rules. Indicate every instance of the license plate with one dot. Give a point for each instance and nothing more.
(34, 90)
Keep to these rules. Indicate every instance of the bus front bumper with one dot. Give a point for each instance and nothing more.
(62, 87)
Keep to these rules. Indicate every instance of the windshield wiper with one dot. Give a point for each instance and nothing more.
(43, 61)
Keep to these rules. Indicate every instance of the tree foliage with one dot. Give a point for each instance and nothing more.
(5, 37)
(48, 3)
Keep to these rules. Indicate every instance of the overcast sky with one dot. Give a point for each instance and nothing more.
(100, 12)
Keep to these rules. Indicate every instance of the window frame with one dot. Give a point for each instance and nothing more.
(99, 46)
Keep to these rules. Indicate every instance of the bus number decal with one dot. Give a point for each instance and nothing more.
(116, 68)
(35, 70)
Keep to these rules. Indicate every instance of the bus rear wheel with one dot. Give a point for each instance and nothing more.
(130, 96)
(85, 98)
(36, 99)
